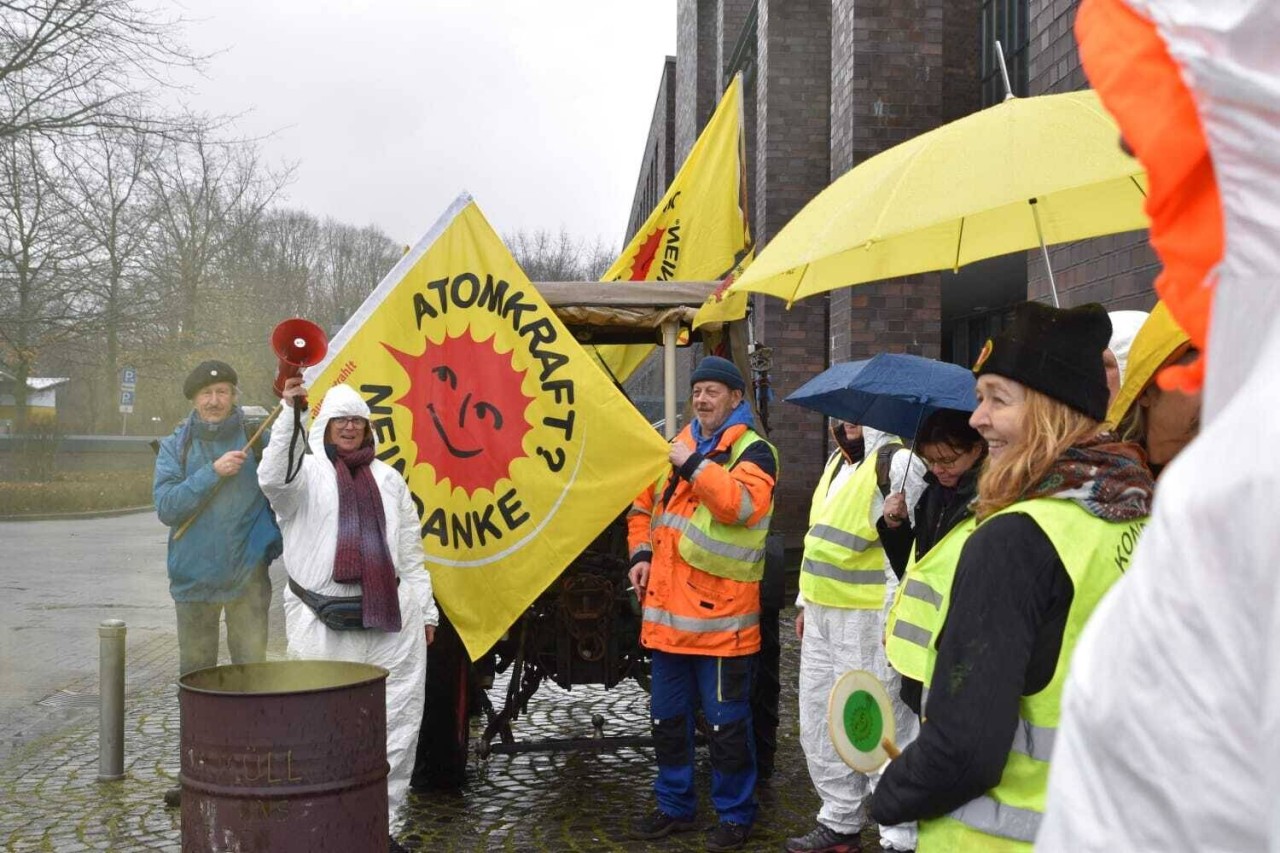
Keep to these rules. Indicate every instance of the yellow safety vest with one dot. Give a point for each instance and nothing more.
(1006, 818)
(843, 563)
(733, 551)
(919, 604)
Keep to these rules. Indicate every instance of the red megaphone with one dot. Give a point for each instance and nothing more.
(298, 343)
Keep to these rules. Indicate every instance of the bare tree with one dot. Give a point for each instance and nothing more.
(354, 260)
(66, 65)
(41, 253)
(206, 196)
(107, 195)
(545, 256)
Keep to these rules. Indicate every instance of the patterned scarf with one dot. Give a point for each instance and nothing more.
(362, 556)
(1106, 476)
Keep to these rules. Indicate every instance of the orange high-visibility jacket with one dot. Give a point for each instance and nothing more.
(688, 610)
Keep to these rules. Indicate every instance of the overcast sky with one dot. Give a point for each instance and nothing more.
(390, 108)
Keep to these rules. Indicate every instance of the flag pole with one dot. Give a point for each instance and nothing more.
(253, 439)
(670, 330)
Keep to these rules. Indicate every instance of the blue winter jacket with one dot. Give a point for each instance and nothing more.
(235, 534)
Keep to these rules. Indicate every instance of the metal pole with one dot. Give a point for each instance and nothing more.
(1004, 71)
(670, 330)
(1053, 286)
(111, 634)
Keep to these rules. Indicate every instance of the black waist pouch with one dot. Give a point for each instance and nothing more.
(341, 613)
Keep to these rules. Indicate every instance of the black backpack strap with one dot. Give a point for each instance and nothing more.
(185, 448)
(884, 465)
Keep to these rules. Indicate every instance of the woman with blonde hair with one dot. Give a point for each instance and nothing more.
(1059, 508)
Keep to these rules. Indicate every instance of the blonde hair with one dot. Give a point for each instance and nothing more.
(1049, 428)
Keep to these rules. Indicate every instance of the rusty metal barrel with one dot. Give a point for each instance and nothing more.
(284, 756)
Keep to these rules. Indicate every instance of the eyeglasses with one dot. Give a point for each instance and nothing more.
(342, 422)
(944, 464)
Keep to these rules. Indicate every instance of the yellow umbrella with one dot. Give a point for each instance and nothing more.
(1027, 172)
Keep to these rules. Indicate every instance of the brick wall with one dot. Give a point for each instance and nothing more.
(658, 166)
(1117, 270)
(731, 15)
(897, 70)
(696, 71)
(793, 84)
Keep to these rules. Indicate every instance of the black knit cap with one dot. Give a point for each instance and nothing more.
(713, 368)
(1057, 351)
(207, 373)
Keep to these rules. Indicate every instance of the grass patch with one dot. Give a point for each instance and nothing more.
(78, 491)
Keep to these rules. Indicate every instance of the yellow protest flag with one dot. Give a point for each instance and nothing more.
(699, 231)
(517, 450)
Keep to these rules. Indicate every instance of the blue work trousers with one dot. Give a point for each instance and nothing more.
(679, 685)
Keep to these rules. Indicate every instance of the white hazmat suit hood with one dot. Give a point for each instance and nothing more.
(1124, 327)
(342, 401)
(1170, 733)
(307, 509)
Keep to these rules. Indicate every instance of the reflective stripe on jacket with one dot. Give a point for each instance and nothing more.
(1006, 817)
(843, 563)
(707, 542)
(918, 605)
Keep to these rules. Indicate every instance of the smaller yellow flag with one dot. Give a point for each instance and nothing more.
(699, 231)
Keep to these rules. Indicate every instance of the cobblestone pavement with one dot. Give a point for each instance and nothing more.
(50, 798)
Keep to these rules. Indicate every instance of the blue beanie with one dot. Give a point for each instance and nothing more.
(713, 368)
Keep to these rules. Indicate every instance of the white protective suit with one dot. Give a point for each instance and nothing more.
(1170, 732)
(837, 640)
(307, 510)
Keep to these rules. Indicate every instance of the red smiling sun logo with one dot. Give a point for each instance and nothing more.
(645, 254)
(468, 410)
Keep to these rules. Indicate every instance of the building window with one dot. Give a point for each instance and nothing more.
(1004, 21)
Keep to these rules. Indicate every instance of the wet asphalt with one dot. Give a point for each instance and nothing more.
(58, 579)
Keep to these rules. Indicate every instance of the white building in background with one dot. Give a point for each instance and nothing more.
(42, 400)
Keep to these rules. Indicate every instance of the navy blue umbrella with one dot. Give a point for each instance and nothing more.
(892, 392)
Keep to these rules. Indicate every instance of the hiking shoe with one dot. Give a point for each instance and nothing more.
(173, 797)
(728, 836)
(658, 824)
(824, 839)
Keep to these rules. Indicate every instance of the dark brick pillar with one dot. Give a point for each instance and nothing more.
(697, 63)
(793, 79)
(1119, 270)
(897, 70)
(730, 17)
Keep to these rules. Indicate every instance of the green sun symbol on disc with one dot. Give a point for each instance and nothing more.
(863, 722)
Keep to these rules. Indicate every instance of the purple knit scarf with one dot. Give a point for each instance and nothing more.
(362, 555)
